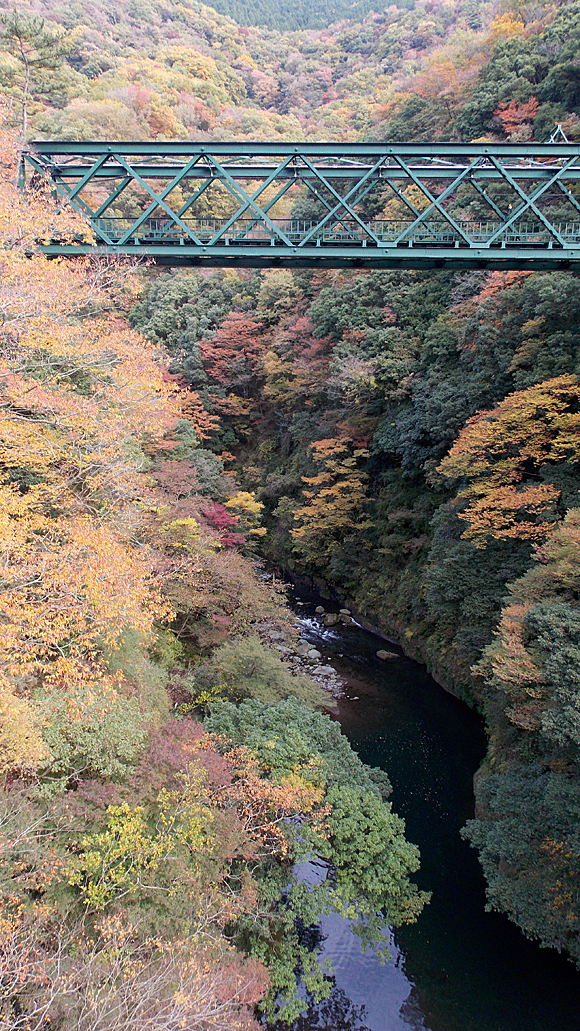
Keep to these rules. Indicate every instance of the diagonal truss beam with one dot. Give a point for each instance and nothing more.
(250, 202)
(194, 197)
(113, 196)
(488, 200)
(437, 202)
(268, 207)
(569, 195)
(343, 202)
(60, 187)
(71, 195)
(529, 200)
(158, 200)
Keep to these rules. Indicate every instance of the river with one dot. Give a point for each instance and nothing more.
(459, 968)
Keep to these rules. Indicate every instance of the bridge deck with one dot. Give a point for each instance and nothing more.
(503, 206)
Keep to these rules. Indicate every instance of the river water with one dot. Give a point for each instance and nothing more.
(459, 968)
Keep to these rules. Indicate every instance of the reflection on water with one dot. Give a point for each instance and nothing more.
(382, 992)
(336, 1012)
(367, 995)
(459, 968)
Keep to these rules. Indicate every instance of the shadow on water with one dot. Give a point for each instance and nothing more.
(459, 968)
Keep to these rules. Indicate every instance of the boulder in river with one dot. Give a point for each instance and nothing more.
(331, 619)
(347, 620)
(382, 654)
(314, 654)
(319, 610)
(344, 612)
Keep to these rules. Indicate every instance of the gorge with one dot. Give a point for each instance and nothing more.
(406, 439)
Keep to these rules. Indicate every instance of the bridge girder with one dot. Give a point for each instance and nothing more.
(444, 205)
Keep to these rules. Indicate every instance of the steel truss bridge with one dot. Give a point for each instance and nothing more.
(320, 205)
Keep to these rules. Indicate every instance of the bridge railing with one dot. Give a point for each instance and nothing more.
(345, 231)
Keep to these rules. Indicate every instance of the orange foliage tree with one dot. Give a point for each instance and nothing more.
(535, 646)
(297, 366)
(514, 116)
(500, 455)
(336, 500)
(233, 356)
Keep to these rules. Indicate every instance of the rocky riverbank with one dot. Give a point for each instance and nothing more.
(298, 654)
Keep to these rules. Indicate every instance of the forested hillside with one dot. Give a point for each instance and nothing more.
(414, 438)
(143, 855)
(172, 69)
(278, 15)
(411, 439)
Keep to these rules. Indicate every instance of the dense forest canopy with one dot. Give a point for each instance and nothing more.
(302, 15)
(165, 69)
(410, 439)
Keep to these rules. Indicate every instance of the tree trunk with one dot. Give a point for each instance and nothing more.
(25, 90)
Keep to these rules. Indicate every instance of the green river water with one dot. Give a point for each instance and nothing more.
(459, 968)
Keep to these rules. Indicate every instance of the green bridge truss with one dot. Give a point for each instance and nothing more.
(321, 205)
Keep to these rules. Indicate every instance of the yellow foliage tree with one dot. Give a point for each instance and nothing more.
(80, 396)
(337, 501)
(500, 454)
(249, 512)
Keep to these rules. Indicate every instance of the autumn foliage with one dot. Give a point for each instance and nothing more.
(107, 541)
(513, 116)
(97, 561)
(500, 456)
(78, 391)
(142, 861)
(335, 498)
(115, 958)
(537, 634)
(233, 355)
